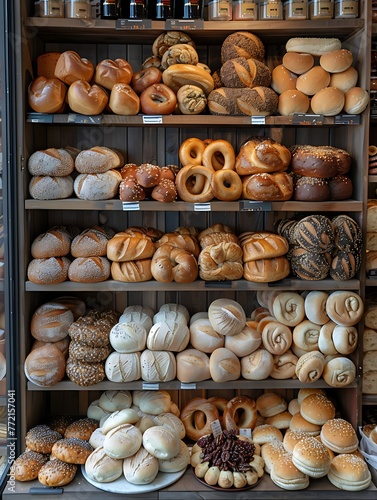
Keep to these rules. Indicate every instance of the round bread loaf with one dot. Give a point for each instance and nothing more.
(339, 372)
(204, 337)
(257, 365)
(224, 365)
(298, 63)
(108, 72)
(102, 468)
(84, 374)
(293, 101)
(86, 99)
(287, 476)
(128, 337)
(142, 468)
(41, 439)
(96, 439)
(45, 366)
(89, 243)
(226, 316)
(311, 189)
(328, 102)
(258, 101)
(123, 367)
(266, 270)
(345, 307)
(53, 162)
(140, 317)
(115, 400)
(55, 242)
(315, 307)
(72, 450)
(62, 345)
(245, 342)
(161, 442)
(157, 366)
(345, 80)
(315, 233)
(89, 269)
(153, 402)
(242, 44)
(27, 465)
(97, 160)
(46, 63)
(71, 67)
(314, 161)
(97, 186)
(94, 328)
(345, 265)
(123, 441)
(46, 187)
(309, 265)
(341, 188)
(356, 100)
(282, 79)
(50, 322)
(125, 416)
(339, 435)
(242, 72)
(192, 366)
(168, 336)
(55, 473)
(46, 95)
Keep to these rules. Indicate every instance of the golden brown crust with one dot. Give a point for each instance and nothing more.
(57, 473)
(171, 263)
(221, 262)
(266, 270)
(133, 271)
(27, 466)
(258, 155)
(276, 186)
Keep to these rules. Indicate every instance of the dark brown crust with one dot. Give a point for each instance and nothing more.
(242, 72)
(314, 161)
(315, 233)
(345, 265)
(341, 188)
(311, 189)
(242, 44)
(309, 265)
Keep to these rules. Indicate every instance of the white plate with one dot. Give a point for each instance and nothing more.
(121, 485)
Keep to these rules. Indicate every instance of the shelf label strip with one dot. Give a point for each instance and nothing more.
(184, 24)
(133, 24)
(202, 207)
(306, 119)
(147, 386)
(130, 206)
(188, 387)
(152, 119)
(258, 120)
(344, 119)
(40, 118)
(77, 118)
(255, 206)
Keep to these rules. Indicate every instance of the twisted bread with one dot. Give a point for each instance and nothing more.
(258, 155)
(221, 262)
(124, 247)
(268, 187)
(133, 271)
(171, 263)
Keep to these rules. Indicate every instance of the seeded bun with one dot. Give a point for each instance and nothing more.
(317, 409)
(299, 423)
(286, 475)
(339, 435)
(270, 404)
(349, 472)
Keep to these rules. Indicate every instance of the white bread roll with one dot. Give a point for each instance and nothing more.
(345, 80)
(161, 442)
(46, 187)
(139, 317)
(128, 337)
(310, 366)
(227, 316)
(168, 336)
(306, 335)
(125, 416)
(349, 472)
(313, 46)
(336, 61)
(192, 366)
(288, 308)
(140, 309)
(122, 441)
(245, 342)
(51, 161)
(97, 438)
(172, 306)
(356, 100)
(97, 186)
(204, 337)
(224, 365)
(121, 367)
(115, 400)
(95, 411)
(325, 339)
(101, 468)
(328, 101)
(198, 315)
(144, 423)
(277, 337)
(141, 468)
(345, 339)
(158, 366)
(169, 316)
(257, 365)
(298, 63)
(152, 402)
(172, 422)
(293, 101)
(313, 80)
(315, 306)
(284, 366)
(177, 463)
(345, 307)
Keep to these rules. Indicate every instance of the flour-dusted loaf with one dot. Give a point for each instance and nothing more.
(257, 101)
(96, 160)
(89, 269)
(158, 366)
(46, 187)
(103, 186)
(51, 161)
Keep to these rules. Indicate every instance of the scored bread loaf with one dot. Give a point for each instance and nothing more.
(266, 270)
(132, 271)
(55, 242)
(258, 101)
(46, 187)
(51, 161)
(262, 245)
(241, 72)
(89, 269)
(275, 186)
(97, 186)
(48, 271)
(123, 247)
(258, 155)
(96, 160)
(242, 44)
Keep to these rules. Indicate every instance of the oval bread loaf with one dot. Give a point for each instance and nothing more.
(47, 187)
(258, 101)
(103, 186)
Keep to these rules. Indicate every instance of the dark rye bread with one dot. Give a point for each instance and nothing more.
(309, 265)
(285, 227)
(310, 189)
(341, 188)
(242, 44)
(345, 265)
(314, 233)
(313, 161)
(241, 72)
(258, 101)
(348, 234)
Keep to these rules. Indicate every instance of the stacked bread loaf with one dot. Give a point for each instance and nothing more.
(320, 247)
(140, 435)
(55, 451)
(243, 79)
(317, 74)
(371, 235)
(51, 171)
(90, 346)
(372, 159)
(320, 173)
(45, 364)
(370, 347)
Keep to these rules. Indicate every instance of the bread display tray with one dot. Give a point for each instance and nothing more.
(122, 486)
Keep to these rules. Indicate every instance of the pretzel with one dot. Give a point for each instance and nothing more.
(183, 179)
(219, 154)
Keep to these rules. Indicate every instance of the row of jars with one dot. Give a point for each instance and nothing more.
(218, 10)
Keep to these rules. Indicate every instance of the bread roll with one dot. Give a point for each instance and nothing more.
(336, 61)
(86, 99)
(70, 67)
(97, 160)
(345, 307)
(45, 366)
(339, 372)
(101, 468)
(287, 476)
(56, 473)
(123, 367)
(328, 101)
(115, 400)
(177, 463)
(55, 242)
(266, 270)
(177, 75)
(244, 343)
(141, 468)
(356, 100)
(97, 186)
(50, 322)
(293, 101)
(128, 337)
(168, 336)
(315, 307)
(125, 416)
(298, 63)
(204, 337)
(109, 72)
(46, 187)
(339, 435)
(282, 79)
(259, 155)
(257, 365)
(158, 366)
(124, 247)
(344, 80)
(311, 457)
(262, 245)
(192, 366)
(275, 186)
(349, 472)
(124, 100)
(224, 365)
(161, 442)
(46, 95)
(310, 366)
(226, 316)
(313, 81)
(123, 441)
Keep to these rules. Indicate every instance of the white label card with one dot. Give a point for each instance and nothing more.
(245, 432)
(216, 428)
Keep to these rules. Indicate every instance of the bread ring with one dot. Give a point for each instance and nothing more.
(191, 151)
(220, 404)
(158, 99)
(226, 185)
(246, 419)
(144, 78)
(182, 180)
(188, 417)
(219, 154)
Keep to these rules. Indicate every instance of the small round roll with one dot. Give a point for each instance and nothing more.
(293, 101)
(313, 80)
(356, 100)
(86, 99)
(329, 101)
(298, 63)
(257, 365)
(344, 80)
(124, 100)
(224, 365)
(315, 307)
(345, 307)
(192, 366)
(336, 61)
(310, 366)
(70, 67)
(339, 372)
(46, 95)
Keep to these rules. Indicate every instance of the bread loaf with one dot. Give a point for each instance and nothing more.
(109, 72)
(158, 366)
(97, 186)
(259, 155)
(86, 99)
(123, 247)
(46, 187)
(262, 245)
(48, 271)
(329, 101)
(192, 366)
(97, 160)
(50, 322)
(89, 269)
(369, 340)
(51, 161)
(241, 72)
(55, 242)
(177, 75)
(258, 101)
(224, 365)
(266, 270)
(46, 64)
(46, 95)
(369, 382)
(123, 367)
(132, 271)
(276, 186)
(242, 44)
(312, 45)
(70, 67)
(45, 366)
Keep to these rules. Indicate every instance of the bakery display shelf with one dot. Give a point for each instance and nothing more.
(369, 399)
(181, 206)
(215, 31)
(192, 121)
(269, 383)
(372, 178)
(188, 488)
(196, 286)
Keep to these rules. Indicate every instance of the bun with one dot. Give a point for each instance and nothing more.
(124, 100)
(336, 61)
(293, 101)
(276, 186)
(56, 473)
(317, 409)
(86, 99)
(339, 372)
(311, 457)
(97, 186)
(287, 476)
(192, 366)
(349, 472)
(161, 442)
(257, 365)
(46, 64)
(46, 95)
(109, 72)
(177, 75)
(123, 441)
(226, 316)
(356, 100)
(258, 101)
(45, 366)
(344, 80)
(102, 468)
(157, 366)
(313, 46)
(339, 435)
(46, 187)
(27, 465)
(141, 468)
(345, 307)
(224, 365)
(282, 79)
(70, 67)
(328, 101)
(270, 404)
(313, 81)
(244, 343)
(298, 63)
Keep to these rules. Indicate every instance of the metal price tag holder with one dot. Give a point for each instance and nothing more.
(130, 206)
(258, 120)
(306, 119)
(255, 206)
(40, 118)
(133, 24)
(147, 386)
(188, 386)
(218, 284)
(152, 119)
(87, 120)
(45, 490)
(344, 119)
(202, 207)
(184, 24)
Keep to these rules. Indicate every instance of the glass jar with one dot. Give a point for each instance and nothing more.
(78, 9)
(219, 10)
(271, 10)
(245, 9)
(321, 9)
(346, 9)
(109, 9)
(296, 9)
(49, 8)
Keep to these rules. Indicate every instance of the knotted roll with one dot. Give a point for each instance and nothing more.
(171, 263)
(276, 337)
(345, 307)
(310, 366)
(339, 372)
(288, 308)
(284, 366)
(306, 335)
(345, 339)
(276, 186)
(221, 262)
